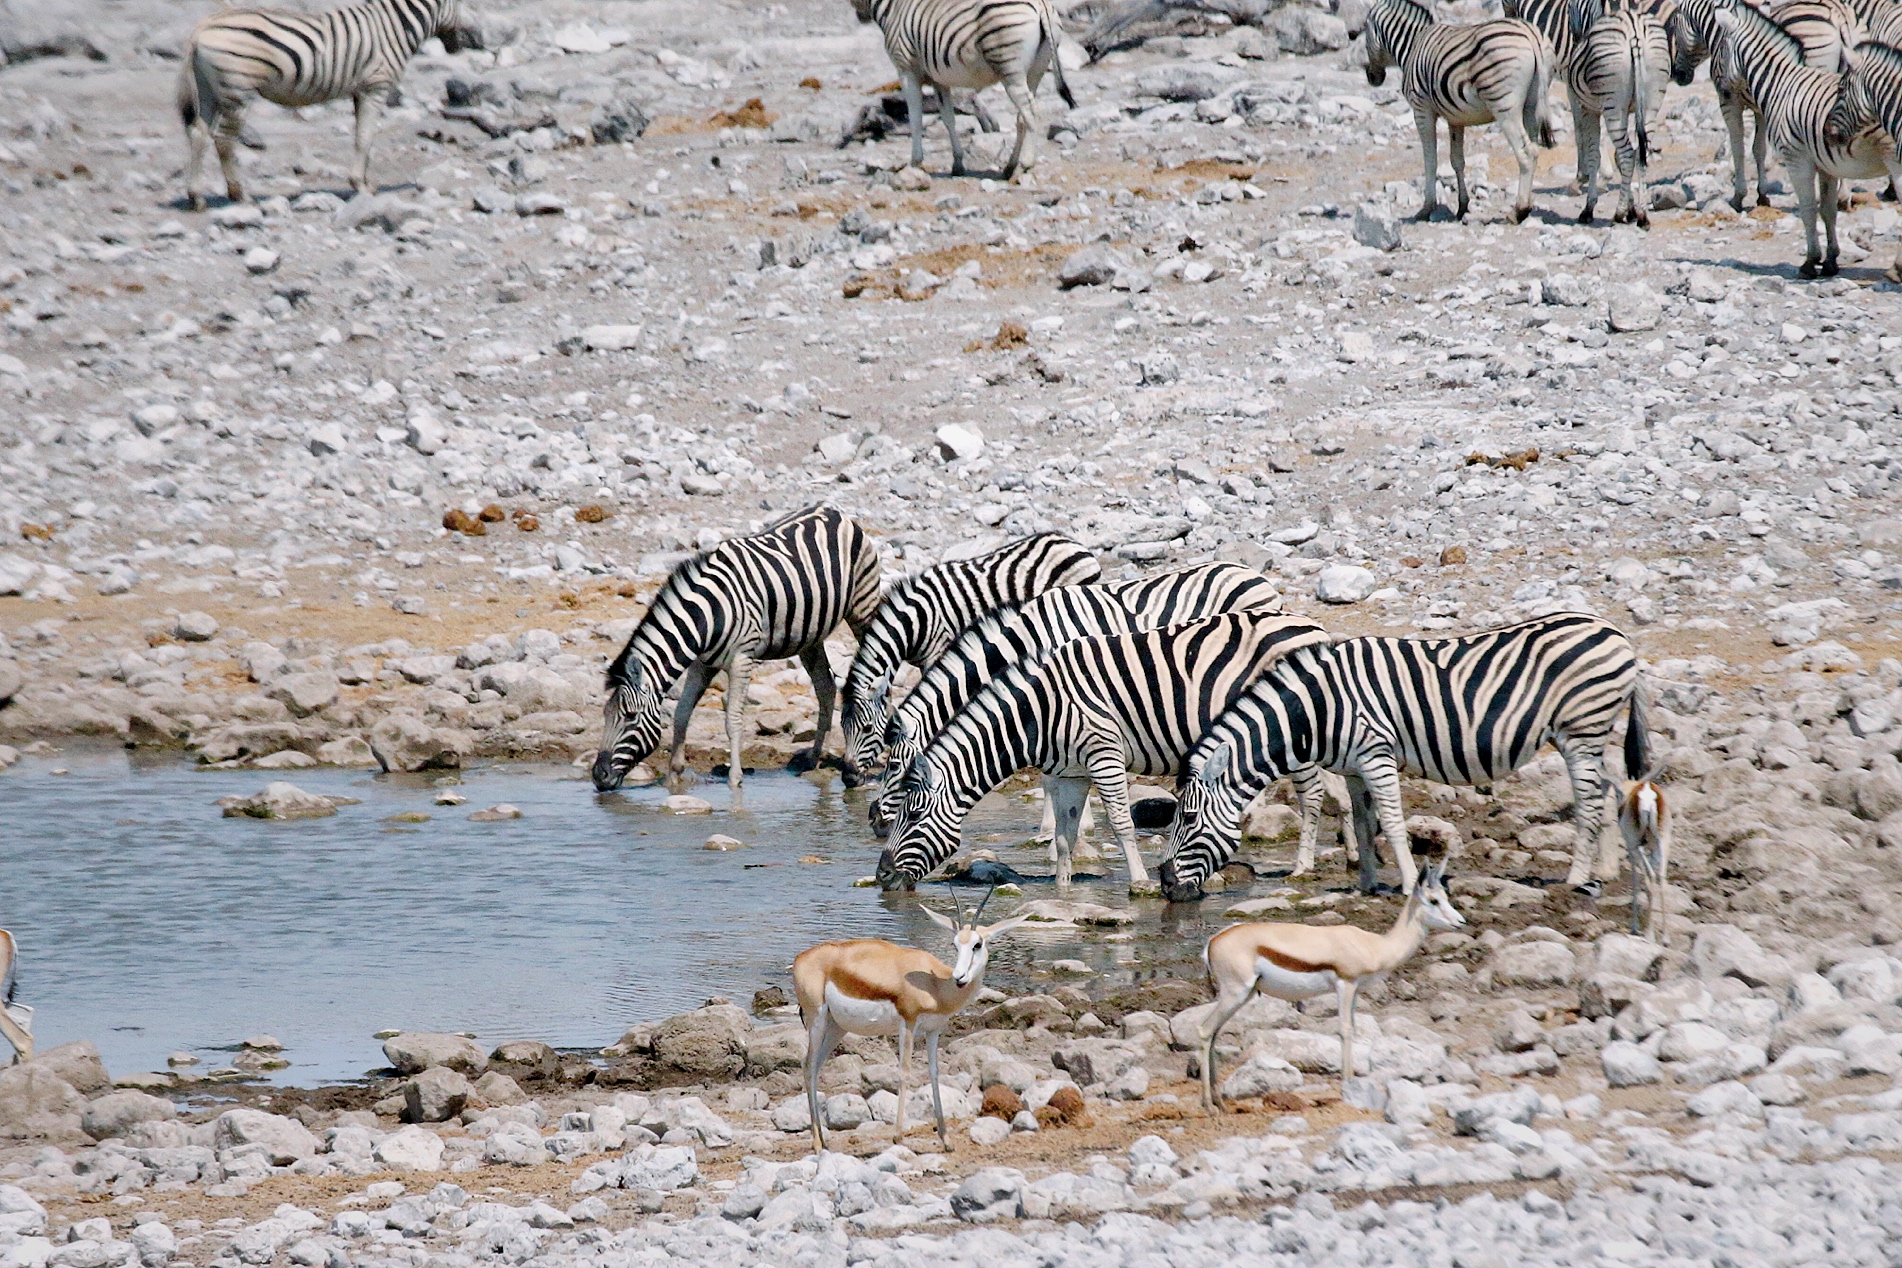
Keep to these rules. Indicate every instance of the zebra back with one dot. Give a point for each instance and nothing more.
(921, 615)
(1795, 98)
(300, 59)
(1873, 94)
(951, 38)
(1007, 636)
(1827, 30)
(1157, 690)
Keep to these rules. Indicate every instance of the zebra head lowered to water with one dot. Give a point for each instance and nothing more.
(301, 59)
(1461, 711)
(774, 594)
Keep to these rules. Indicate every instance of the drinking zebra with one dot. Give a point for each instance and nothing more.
(1455, 710)
(971, 44)
(1872, 94)
(1619, 71)
(920, 616)
(774, 594)
(1797, 101)
(1087, 713)
(300, 59)
(1479, 73)
(1052, 619)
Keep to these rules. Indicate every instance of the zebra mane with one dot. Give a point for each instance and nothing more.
(624, 669)
(1424, 10)
(1763, 24)
(1888, 54)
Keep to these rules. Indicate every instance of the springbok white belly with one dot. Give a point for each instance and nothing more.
(1286, 984)
(861, 1016)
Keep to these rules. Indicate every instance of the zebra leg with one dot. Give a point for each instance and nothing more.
(915, 110)
(1579, 132)
(1428, 125)
(1108, 767)
(738, 674)
(195, 136)
(1585, 138)
(1309, 792)
(1456, 146)
(369, 111)
(1380, 774)
(692, 686)
(1585, 767)
(1760, 148)
(1826, 199)
(948, 111)
(1803, 177)
(826, 691)
(1023, 155)
(1066, 798)
(1512, 127)
(1732, 106)
(225, 140)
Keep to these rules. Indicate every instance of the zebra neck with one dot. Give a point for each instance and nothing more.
(1401, 31)
(981, 760)
(416, 19)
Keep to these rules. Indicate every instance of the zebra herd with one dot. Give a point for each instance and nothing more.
(1194, 675)
(1820, 77)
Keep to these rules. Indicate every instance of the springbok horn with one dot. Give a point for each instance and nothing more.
(976, 915)
(955, 904)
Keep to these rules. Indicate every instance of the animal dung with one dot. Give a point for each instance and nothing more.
(1001, 1102)
(1064, 1109)
(491, 514)
(457, 520)
(1452, 555)
(526, 522)
(591, 513)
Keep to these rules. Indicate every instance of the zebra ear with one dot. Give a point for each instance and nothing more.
(1213, 763)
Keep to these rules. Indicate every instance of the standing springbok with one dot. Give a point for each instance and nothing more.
(1296, 962)
(870, 987)
(1645, 821)
(14, 1018)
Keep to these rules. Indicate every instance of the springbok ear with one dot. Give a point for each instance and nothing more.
(939, 917)
(1003, 926)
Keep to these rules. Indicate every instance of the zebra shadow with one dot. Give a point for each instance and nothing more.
(1791, 270)
(342, 193)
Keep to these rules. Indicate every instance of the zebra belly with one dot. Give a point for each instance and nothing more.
(861, 1016)
(1287, 984)
(977, 75)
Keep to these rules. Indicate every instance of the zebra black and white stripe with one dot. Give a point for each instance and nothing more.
(1872, 93)
(921, 616)
(971, 44)
(1027, 632)
(1617, 75)
(1456, 710)
(1796, 101)
(774, 594)
(1469, 75)
(300, 59)
(1087, 713)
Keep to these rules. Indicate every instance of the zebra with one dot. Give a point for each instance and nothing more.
(971, 44)
(1087, 713)
(1470, 74)
(1619, 70)
(1797, 100)
(1821, 49)
(1872, 93)
(921, 615)
(1004, 638)
(773, 594)
(300, 59)
(1456, 710)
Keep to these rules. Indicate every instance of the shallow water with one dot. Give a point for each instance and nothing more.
(149, 924)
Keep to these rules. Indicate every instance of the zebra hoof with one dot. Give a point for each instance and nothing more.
(1519, 214)
(1830, 267)
(1808, 270)
(1585, 217)
(803, 761)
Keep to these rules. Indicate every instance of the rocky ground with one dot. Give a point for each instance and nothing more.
(312, 480)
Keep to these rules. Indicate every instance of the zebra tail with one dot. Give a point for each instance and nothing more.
(1637, 101)
(204, 91)
(1054, 35)
(1538, 109)
(1637, 736)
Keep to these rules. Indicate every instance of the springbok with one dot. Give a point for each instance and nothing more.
(1645, 821)
(1296, 962)
(870, 987)
(14, 1018)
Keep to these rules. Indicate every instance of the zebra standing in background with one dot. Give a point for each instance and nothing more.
(1455, 710)
(1619, 70)
(921, 615)
(774, 594)
(971, 44)
(1473, 74)
(1797, 102)
(1872, 94)
(1088, 713)
(1004, 638)
(300, 59)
